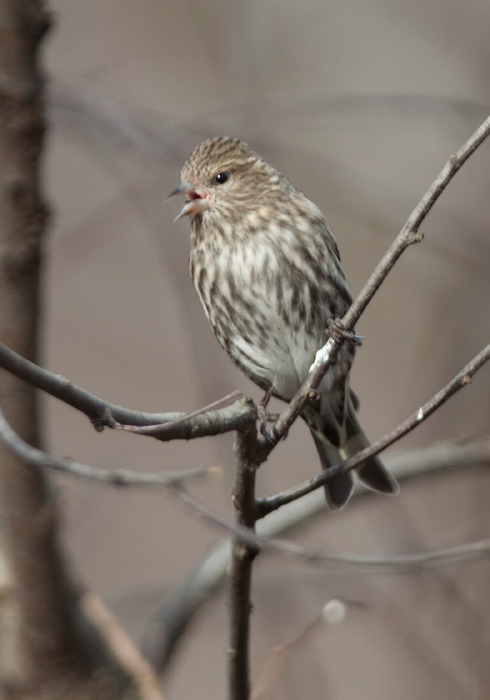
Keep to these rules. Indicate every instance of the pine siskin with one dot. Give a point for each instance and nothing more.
(268, 272)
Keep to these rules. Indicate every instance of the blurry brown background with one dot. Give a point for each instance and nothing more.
(360, 104)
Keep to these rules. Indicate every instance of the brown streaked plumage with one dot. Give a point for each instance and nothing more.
(267, 270)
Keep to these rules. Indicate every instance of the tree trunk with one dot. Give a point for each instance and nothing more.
(48, 647)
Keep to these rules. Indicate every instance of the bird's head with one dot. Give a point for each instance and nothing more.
(225, 177)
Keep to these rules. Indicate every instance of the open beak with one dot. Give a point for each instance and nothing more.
(196, 199)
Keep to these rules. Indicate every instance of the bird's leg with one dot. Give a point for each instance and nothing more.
(263, 414)
(336, 329)
(266, 417)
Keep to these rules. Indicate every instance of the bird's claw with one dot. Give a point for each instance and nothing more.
(263, 414)
(336, 329)
(272, 435)
(265, 417)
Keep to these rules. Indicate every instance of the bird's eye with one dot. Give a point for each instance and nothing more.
(221, 178)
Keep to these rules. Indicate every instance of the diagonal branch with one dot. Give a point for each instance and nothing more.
(462, 379)
(393, 563)
(160, 429)
(408, 235)
(410, 232)
(208, 576)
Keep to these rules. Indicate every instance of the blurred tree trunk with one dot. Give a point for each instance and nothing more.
(47, 647)
(44, 633)
(29, 517)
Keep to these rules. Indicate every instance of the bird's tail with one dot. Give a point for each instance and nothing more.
(372, 472)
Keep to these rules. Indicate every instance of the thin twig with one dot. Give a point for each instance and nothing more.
(209, 575)
(117, 477)
(121, 647)
(408, 235)
(394, 563)
(333, 613)
(161, 429)
(410, 231)
(462, 379)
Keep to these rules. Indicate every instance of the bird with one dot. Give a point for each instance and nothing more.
(268, 273)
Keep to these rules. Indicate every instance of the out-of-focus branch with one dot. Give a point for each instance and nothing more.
(462, 379)
(246, 543)
(54, 652)
(45, 608)
(108, 640)
(121, 649)
(116, 477)
(409, 234)
(395, 563)
(332, 614)
(208, 576)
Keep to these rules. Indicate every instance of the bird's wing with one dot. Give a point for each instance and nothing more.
(274, 368)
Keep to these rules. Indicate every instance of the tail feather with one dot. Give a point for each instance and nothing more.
(372, 473)
(338, 490)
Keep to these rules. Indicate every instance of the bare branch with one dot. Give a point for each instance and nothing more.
(333, 613)
(162, 428)
(462, 379)
(170, 426)
(204, 421)
(426, 461)
(209, 575)
(410, 231)
(394, 563)
(53, 650)
(117, 477)
(100, 412)
(407, 236)
(168, 625)
(120, 647)
(242, 557)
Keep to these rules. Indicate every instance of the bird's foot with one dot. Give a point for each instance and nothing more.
(336, 330)
(264, 415)
(272, 435)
